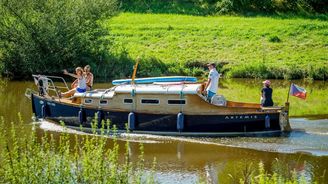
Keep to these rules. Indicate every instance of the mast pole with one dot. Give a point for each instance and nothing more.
(135, 70)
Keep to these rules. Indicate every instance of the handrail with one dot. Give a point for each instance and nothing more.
(50, 84)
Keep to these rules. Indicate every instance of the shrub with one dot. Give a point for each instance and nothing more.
(274, 39)
(151, 67)
(51, 35)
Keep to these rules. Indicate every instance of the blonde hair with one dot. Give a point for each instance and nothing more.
(77, 69)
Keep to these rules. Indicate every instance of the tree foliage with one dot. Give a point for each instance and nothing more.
(205, 7)
(48, 35)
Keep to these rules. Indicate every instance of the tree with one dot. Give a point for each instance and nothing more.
(48, 35)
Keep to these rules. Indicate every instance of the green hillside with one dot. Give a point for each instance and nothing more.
(242, 46)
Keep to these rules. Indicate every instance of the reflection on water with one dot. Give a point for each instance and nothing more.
(185, 160)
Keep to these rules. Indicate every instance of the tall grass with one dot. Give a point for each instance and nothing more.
(248, 172)
(29, 158)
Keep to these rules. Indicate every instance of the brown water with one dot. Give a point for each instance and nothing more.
(185, 160)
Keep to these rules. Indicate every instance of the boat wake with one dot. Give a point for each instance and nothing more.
(317, 133)
(306, 141)
(53, 127)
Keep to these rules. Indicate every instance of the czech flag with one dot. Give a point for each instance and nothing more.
(297, 91)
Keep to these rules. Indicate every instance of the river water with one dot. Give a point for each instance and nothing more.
(186, 160)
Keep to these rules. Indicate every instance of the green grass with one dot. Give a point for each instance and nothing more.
(287, 48)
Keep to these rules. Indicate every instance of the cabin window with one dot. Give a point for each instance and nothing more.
(128, 101)
(88, 101)
(103, 102)
(149, 101)
(177, 102)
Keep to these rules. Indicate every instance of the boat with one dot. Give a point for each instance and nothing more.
(159, 108)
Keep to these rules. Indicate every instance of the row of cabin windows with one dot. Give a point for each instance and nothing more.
(156, 101)
(143, 101)
(102, 102)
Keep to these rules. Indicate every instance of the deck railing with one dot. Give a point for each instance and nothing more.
(48, 83)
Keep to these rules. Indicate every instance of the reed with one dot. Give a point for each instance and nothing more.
(26, 157)
(248, 172)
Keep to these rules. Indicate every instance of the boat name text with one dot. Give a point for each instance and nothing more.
(242, 117)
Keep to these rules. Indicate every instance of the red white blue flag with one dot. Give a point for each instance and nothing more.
(297, 91)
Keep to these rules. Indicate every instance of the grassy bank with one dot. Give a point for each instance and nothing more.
(256, 47)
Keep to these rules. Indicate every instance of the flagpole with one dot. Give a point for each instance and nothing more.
(287, 127)
(290, 84)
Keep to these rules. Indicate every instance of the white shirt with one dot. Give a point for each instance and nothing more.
(81, 84)
(214, 84)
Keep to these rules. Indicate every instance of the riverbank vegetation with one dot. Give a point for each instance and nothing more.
(210, 7)
(48, 36)
(258, 39)
(248, 172)
(29, 157)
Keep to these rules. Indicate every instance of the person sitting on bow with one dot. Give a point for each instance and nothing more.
(81, 85)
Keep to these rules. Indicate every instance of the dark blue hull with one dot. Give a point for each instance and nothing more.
(76, 115)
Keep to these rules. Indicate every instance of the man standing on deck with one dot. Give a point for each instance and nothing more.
(212, 84)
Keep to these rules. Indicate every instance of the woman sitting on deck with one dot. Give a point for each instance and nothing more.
(266, 97)
(88, 78)
(81, 82)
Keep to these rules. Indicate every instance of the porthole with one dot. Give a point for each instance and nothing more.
(88, 101)
(149, 101)
(176, 102)
(128, 101)
(103, 102)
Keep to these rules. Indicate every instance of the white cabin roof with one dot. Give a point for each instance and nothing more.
(165, 88)
(158, 88)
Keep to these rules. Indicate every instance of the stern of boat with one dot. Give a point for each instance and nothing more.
(284, 118)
